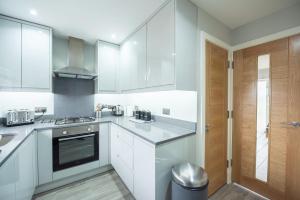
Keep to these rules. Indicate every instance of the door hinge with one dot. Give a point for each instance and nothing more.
(230, 64)
(229, 163)
(229, 114)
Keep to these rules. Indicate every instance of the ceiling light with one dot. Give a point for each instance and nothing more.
(135, 42)
(113, 36)
(33, 12)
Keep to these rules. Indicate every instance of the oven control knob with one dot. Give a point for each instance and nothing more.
(64, 132)
(89, 129)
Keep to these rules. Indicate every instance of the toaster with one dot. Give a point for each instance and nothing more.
(19, 117)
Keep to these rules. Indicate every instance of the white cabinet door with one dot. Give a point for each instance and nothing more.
(144, 170)
(108, 62)
(161, 47)
(25, 175)
(104, 144)
(35, 57)
(122, 155)
(133, 61)
(10, 54)
(8, 179)
(44, 148)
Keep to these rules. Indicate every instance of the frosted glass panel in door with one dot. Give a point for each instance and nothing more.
(133, 61)
(161, 47)
(35, 57)
(262, 127)
(10, 54)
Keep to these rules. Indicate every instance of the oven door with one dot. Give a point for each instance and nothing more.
(70, 151)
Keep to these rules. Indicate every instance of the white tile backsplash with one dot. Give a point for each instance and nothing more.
(182, 104)
(25, 100)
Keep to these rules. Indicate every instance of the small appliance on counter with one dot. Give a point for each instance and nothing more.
(19, 117)
(142, 116)
(118, 110)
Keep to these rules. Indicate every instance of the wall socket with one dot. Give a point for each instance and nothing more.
(40, 109)
(166, 111)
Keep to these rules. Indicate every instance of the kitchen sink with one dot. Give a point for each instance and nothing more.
(6, 138)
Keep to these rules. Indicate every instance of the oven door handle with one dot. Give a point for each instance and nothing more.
(76, 137)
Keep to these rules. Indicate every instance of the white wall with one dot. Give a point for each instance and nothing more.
(279, 21)
(214, 27)
(182, 104)
(25, 100)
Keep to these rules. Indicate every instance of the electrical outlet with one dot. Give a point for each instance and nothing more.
(40, 109)
(166, 111)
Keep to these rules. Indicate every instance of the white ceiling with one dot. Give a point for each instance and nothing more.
(99, 19)
(235, 13)
(86, 19)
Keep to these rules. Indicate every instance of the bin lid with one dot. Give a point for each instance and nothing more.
(189, 175)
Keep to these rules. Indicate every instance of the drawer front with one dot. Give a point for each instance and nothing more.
(126, 174)
(123, 134)
(114, 149)
(126, 154)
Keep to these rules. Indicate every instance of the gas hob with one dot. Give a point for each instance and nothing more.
(72, 120)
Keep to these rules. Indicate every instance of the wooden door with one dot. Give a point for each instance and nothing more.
(293, 136)
(216, 116)
(245, 118)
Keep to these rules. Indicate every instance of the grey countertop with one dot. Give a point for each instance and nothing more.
(155, 132)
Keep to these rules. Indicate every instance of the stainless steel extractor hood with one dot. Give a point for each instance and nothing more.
(75, 68)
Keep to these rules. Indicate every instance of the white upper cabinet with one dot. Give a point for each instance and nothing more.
(10, 54)
(35, 57)
(169, 41)
(133, 60)
(108, 60)
(25, 55)
(161, 47)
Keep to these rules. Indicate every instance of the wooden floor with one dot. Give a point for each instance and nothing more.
(109, 186)
(233, 192)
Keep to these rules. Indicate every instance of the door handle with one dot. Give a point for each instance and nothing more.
(292, 124)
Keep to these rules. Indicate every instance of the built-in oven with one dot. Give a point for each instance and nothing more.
(73, 146)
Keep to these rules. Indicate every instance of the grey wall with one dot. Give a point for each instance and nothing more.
(73, 97)
(60, 54)
(276, 22)
(212, 26)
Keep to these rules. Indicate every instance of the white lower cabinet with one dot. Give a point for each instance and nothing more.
(25, 159)
(122, 155)
(144, 170)
(44, 154)
(8, 179)
(134, 161)
(104, 144)
(17, 174)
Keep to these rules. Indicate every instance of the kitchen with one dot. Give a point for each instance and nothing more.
(118, 100)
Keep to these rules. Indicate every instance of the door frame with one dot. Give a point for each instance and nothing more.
(201, 86)
(202, 98)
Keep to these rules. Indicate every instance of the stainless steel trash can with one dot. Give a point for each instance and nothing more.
(189, 182)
